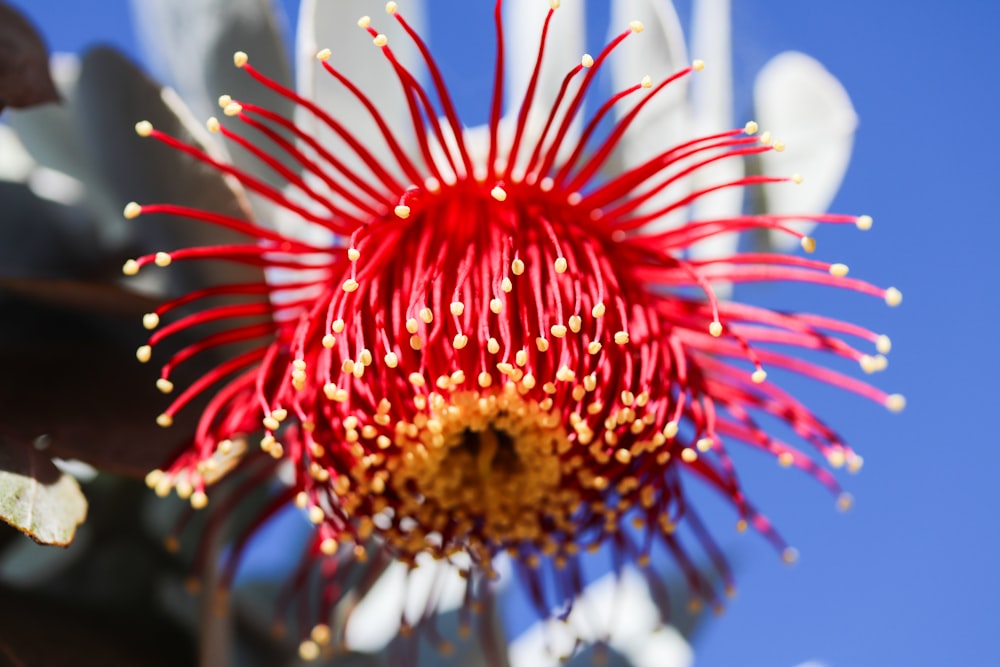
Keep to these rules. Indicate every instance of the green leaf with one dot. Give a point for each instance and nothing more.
(36, 498)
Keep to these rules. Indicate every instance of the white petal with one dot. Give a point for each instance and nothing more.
(619, 607)
(659, 52)
(712, 103)
(665, 121)
(15, 162)
(523, 23)
(333, 24)
(400, 590)
(807, 108)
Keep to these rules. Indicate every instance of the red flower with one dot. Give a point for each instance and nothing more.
(499, 354)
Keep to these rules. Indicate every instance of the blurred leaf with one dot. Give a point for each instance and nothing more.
(24, 62)
(36, 632)
(36, 498)
(70, 374)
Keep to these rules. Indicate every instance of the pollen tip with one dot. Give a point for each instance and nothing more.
(224, 101)
(759, 376)
(561, 265)
(364, 22)
(391, 360)
(765, 137)
(636, 26)
(402, 212)
(797, 179)
(790, 555)
(164, 385)
(779, 146)
(895, 402)
(144, 128)
(165, 420)
(350, 285)
(323, 54)
(647, 82)
(233, 109)
(808, 244)
(380, 40)
(498, 193)
(893, 297)
(162, 259)
(715, 328)
(150, 321)
(554, 4)
(391, 7)
(698, 65)
(213, 125)
(132, 210)
(883, 344)
(143, 353)
(864, 222)
(839, 270)
(845, 501)
(704, 444)
(750, 128)
(130, 267)
(199, 500)
(621, 338)
(353, 254)
(309, 650)
(240, 58)
(587, 60)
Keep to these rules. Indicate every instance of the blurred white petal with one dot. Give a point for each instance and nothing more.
(523, 23)
(400, 590)
(333, 24)
(712, 103)
(659, 51)
(15, 162)
(619, 607)
(56, 186)
(807, 108)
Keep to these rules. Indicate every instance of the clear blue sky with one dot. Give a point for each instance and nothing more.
(910, 577)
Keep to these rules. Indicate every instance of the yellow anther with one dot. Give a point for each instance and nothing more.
(845, 501)
(457, 308)
(150, 320)
(587, 60)
(558, 330)
(839, 270)
(162, 259)
(704, 444)
(130, 267)
(353, 254)
(636, 26)
(132, 210)
(670, 429)
(506, 285)
(213, 125)
(240, 58)
(402, 212)
(808, 244)
(143, 353)
(337, 326)
(323, 54)
(498, 193)
(765, 138)
(460, 341)
(309, 650)
(493, 346)
(391, 7)
(715, 328)
(329, 341)
(380, 40)
(350, 285)
(391, 360)
(484, 379)
(517, 267)
(790, 555)
(561, 265)
(786, 459)
(698, 65)
(893, 297)
(412, 326)
(164, 385)
(542, 344)
(797, 179)
(233, 109)
(758, 376)
(646, 82)
(864, 222)
(144, 128)
(883, 344)
(598, 310)
(575, 323)
(199, 500)
(895, 402)
(165, 420)
(416, 379)
(621, 338)
(689, 455)
(751, 128)
(427, 315)
(779, 146)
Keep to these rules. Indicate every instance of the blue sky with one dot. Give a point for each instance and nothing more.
(910, 576)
